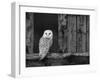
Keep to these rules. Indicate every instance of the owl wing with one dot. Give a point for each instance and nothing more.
(43, 48)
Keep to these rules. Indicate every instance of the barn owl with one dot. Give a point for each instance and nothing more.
(45, 43)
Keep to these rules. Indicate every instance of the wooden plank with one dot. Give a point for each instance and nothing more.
(79, 35)
(83, 26)
(35, 56)
(69, 34)
(65, 34)
(60, 40)
(87, 33)
(32, 43)
(73, 33)
(29, 32)
(62, 32)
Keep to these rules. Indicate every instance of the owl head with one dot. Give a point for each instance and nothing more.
(48, 34)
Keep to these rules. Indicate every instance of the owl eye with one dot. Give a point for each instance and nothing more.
(49, 33)
(46, 33)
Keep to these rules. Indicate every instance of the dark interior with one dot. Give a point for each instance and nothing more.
(44, 21)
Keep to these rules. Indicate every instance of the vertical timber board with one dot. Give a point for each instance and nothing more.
(65, 33)
(29, 32)
(83, 26)
(73, 32)
(60, 41)
(87, 33)
(69, 33)
(79, 36)
(32, 43)
(62, 32)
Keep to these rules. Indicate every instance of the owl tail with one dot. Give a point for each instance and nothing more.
(42, 56)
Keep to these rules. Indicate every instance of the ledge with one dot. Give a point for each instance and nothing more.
(55, 55)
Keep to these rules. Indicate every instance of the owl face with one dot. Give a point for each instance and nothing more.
(48, 34)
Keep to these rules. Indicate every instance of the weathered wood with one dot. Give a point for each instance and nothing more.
(35, 56)
(60, 40)
(62, 27)
(29, 32)
(83, 34)
(73, 33)
(79, 35)
(69, 34)
(87, 33)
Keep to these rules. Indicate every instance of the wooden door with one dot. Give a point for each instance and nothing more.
(73, 33)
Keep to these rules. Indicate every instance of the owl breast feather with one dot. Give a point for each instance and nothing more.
(44, 46)
(45, 42)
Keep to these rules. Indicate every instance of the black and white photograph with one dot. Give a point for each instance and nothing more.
(53, 39)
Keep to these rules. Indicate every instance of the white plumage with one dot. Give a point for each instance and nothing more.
(45, 43)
